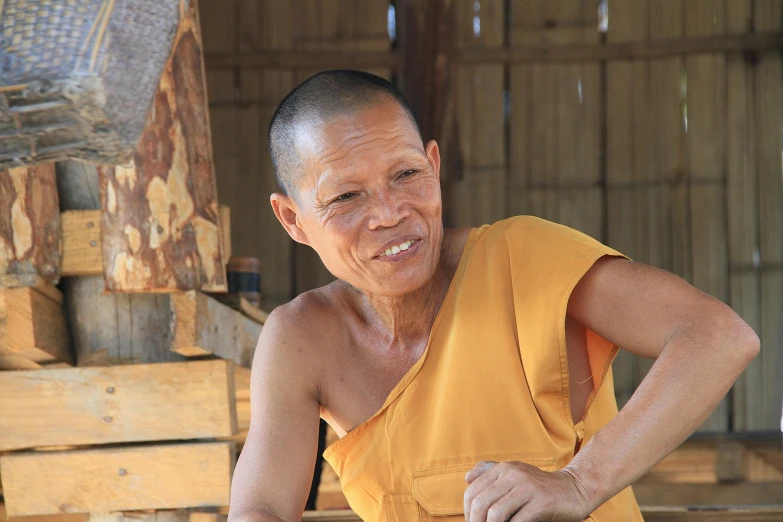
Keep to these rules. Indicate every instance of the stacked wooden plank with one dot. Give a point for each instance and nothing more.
(124, 397)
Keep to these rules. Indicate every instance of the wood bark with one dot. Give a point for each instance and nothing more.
(29, 226)
(161, 225)
(109, 328)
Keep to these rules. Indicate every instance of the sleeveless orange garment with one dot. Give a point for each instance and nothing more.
(492, 383)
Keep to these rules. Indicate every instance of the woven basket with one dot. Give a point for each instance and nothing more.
(78, 76)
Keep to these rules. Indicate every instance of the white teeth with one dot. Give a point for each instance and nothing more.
(398, 248)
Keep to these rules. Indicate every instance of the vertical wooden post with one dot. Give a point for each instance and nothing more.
(161, 223)
(109, 328)
(706, 135)
(479, 195)
(769, 115)
(425, 42)
(30, 241)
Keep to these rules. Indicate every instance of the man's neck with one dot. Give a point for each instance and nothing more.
(406, 321)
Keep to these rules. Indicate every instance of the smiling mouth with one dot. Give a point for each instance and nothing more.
(401, 251)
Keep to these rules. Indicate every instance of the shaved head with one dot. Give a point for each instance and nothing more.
(317, 100)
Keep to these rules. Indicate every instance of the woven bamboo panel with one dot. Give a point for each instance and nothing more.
(77, 78)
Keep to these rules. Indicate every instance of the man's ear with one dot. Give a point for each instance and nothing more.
(286, 212)
(433, 155)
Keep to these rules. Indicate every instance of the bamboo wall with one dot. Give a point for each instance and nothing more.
(672, 157)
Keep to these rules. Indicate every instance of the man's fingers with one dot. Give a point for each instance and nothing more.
(478, 470)
(478, 509)
(479, 479)
(506, 507)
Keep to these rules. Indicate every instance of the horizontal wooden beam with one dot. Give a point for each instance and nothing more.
(165, 515)
(625, 51)
(690, 494)
(33, 330)
(117, 479)
(81, 239)
(286, 59)
(75, 517)
(713, 514)
(651, 514)
(81, 233)
(203, 326)
(129, 403)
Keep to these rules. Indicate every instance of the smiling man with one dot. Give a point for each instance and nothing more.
(467, 371)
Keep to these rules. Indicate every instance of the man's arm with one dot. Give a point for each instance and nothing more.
(274, 472)
(700, 346)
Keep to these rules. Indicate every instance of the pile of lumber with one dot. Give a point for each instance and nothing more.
(124, 381)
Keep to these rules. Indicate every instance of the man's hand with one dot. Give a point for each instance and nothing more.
(519, 492)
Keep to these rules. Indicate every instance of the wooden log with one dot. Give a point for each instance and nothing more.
(108, 328)
(33, 331)
(81, 240)
(203, 326)
(161, 227)
(117, 479)
(131, 403)
(29, 226)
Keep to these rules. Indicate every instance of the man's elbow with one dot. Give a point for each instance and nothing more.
(743, 343)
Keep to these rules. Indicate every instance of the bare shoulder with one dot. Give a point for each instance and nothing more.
(298, 336)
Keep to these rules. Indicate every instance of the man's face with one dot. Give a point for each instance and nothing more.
(368, 200)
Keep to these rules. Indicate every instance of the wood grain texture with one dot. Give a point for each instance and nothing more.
(160, 229)
(478, 192)
(201, 325)
(554, 132)
(131, 403)
(742, 212)
(81, 233)
(33, 328)
(117, 328)
(769, 136)
(76, 517)
(117, 479)
(29, 226)
(650, 513)
(81, 240)
(167, 515)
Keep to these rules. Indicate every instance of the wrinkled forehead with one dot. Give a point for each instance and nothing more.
(376, 133)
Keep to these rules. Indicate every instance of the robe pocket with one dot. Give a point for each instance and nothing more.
(439, 492)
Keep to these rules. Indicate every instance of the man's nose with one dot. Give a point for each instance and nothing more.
(387, 211)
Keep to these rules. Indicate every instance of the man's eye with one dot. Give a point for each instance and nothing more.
(345, 197)
(408, 173)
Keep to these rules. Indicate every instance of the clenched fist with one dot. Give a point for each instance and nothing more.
(519, 492)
